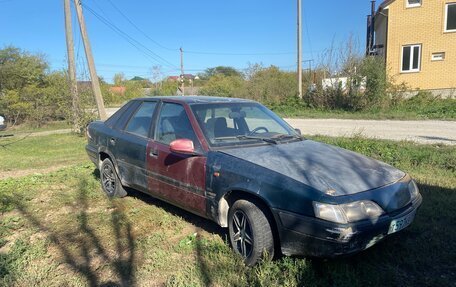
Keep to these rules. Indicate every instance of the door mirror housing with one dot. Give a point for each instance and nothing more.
(298, 131)
(182, 146)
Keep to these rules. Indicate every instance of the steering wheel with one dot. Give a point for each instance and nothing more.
(258, 129)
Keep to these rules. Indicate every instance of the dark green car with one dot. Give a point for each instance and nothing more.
(235, 162)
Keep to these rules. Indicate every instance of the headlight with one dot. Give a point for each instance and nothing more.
(329, 212)
(413, 189)
(350, 212)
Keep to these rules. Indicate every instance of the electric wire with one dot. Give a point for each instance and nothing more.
(191, 51)
(135, 43)
(139, 29)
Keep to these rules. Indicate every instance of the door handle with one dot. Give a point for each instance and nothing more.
(153, 152)
(112, 141)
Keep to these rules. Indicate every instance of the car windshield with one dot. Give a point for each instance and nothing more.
(227, 124)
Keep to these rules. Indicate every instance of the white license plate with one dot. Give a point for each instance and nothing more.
(401, 223)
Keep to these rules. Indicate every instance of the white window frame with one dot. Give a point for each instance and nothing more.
(412, 51)
(408, 5)
(445, 24)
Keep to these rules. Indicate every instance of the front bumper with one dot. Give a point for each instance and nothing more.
(302, 235)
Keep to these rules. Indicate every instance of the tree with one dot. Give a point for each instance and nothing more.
(222, 86)
(119, 79)
(19, 69)
(270, 86)
(28, 92)
(221, 70)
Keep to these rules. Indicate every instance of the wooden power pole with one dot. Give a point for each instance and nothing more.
(182, 72)
(93, 73)
(299, 50)
(71, 66)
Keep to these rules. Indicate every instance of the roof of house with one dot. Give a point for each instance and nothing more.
(118, 89)
(386, 3)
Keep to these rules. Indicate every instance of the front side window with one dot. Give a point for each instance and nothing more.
(173, 124)
(411, 58)
(450, 23)
(140, 122)
(413, 3)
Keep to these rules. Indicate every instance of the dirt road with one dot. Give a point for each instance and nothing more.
(427, 132)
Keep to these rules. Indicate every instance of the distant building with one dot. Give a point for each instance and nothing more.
(173, 78)
(417, 38)
(119, 90)
(186, 76)
(344, 84)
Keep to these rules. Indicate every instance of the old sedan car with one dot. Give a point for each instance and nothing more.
(235, 162)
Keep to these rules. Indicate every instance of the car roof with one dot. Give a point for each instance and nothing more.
(198, 99)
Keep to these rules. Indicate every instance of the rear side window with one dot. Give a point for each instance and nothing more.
(140, 122)
(115, 117)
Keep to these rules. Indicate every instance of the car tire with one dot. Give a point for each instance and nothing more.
(110, 182)
(250, 232)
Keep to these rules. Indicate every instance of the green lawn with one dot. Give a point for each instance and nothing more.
(417, 108)
(29, 128)
(59, 229)
(27, 152)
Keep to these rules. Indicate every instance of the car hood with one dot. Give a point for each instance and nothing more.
(327, 168)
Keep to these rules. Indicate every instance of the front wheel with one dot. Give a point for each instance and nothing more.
(110, 182)
(250, 231)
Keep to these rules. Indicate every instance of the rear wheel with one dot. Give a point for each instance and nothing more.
(110, 182)
(250, 231)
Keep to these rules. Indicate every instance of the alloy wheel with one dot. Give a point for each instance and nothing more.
(243, 237)
(109, 178)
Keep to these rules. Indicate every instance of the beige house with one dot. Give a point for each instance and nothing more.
(418, 40)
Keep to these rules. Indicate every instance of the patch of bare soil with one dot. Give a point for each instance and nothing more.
(26, 172)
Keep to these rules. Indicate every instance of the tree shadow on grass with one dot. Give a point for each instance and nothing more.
(200, 223)
(85, 258)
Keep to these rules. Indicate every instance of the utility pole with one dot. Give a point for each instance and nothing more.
(93, 73)
(182, 72)
(71, 65)
(299, 50)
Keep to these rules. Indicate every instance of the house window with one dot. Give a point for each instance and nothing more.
(450, 23)
(438, 56)
(413, 3)
(411, 58)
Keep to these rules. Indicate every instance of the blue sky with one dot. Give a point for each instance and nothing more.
(232, 33)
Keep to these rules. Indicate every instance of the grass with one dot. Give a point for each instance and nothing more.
(417, 108)
(29, 128)
(59, 229)
(25, 153)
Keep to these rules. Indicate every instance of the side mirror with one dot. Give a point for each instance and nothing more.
(182, 146)
(2, 123)
(298, 131)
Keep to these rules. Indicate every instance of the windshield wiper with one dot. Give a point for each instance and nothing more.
(246, 137)
(285, 137)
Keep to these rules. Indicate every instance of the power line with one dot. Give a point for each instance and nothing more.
(145, 50)
(239, 54)
(139, 29)
(130, 39)
(195, 52)
(306, 24)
